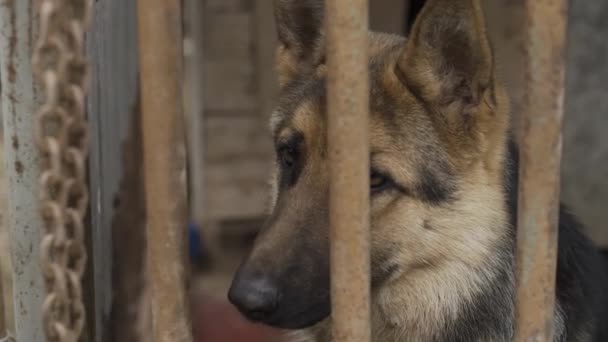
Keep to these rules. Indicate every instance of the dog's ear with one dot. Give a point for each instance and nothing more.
(447, 63)
(301, 38)
(448, 56)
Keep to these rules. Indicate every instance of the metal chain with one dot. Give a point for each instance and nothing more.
(61, 68)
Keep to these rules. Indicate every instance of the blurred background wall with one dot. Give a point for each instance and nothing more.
(241, 90)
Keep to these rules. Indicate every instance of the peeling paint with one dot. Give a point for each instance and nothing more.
(15, 140)
(12, 39)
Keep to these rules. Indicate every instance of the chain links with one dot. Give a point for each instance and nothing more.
(61, 68)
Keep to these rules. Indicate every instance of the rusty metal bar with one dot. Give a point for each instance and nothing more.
(541, 145)
(18, 103)
(348, 139)
(164, 154)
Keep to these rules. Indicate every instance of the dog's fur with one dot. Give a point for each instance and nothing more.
(443, 207)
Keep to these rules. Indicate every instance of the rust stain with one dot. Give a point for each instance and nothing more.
(12, 97)
(19, 167)
(30, 14)
(15, 140)
(12, 40)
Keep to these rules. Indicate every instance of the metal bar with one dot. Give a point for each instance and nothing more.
(348, 139)
(22, 169)
(111, 47)
(194, 105)
(164, 154)
(541, 145)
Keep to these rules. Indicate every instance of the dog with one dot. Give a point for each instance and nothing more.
(443, 192)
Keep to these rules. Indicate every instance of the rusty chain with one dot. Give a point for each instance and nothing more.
(61, 69)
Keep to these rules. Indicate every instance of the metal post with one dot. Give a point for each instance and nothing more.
(194, 106)
(160, 53)
(18, 108)
(541, 144)
(113, 94)
(348, 138)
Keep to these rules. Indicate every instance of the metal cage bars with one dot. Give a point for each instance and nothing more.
(539, 174)
(164, 155)
(348, 93)
(540, 154)
(348, 144)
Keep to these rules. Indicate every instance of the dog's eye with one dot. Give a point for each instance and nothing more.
(378, 181)
(287, 157)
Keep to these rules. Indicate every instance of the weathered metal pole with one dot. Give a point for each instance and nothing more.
(160, 51)
(541, 145)
(22, 168)
(348, 138)
(194, 105)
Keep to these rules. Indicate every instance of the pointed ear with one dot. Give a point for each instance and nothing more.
(448, 57)
(447, 64)
(301, 39)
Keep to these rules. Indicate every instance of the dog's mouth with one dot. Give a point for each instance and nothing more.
(292, 319)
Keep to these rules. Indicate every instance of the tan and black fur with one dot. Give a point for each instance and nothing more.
(444, 183)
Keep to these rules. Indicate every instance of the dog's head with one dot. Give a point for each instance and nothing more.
(438, 126)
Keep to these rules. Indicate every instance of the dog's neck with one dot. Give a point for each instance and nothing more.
(485, 315)
(451, 303)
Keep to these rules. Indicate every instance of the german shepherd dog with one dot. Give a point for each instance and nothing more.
(443, 190)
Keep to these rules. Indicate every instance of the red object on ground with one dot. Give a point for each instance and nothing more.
(218, 321)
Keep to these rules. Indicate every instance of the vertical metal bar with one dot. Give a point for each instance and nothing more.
(112, 50)
(194, 105)
(541, 145)
(22, 168)
(348, 139)
(160, 53)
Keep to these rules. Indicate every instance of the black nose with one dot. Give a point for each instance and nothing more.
(255, 296)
